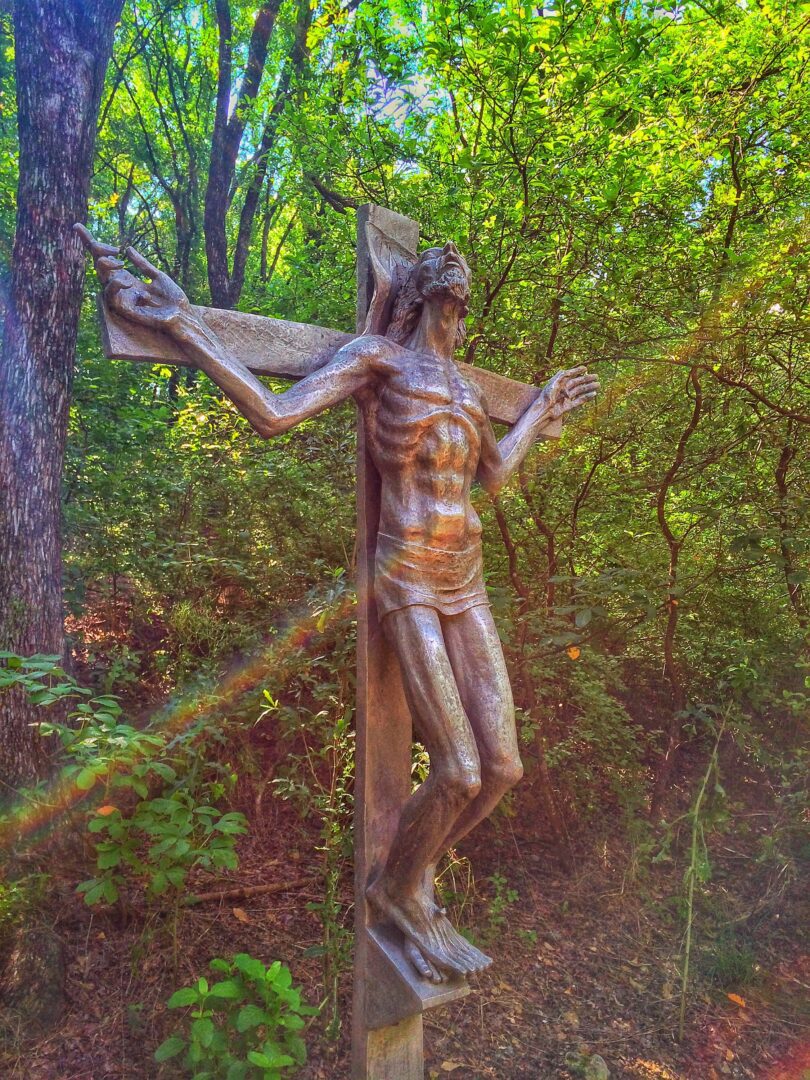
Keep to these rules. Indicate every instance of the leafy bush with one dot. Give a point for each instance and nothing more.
(171, 829)
(165, 835)
(40, 675)
(318, 770)
(245, 1026)
(159, 843)
(592, 746)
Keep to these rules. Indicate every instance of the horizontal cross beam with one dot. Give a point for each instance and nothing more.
(291, 350)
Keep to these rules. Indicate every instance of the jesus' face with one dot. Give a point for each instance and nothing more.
(443, 273)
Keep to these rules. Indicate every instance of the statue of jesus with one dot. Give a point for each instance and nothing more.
(430, 438)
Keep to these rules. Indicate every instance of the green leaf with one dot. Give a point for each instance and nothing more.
(93, 891)
(159, 883)
(255, 1057)
(292, 1022)
(250, 1016)
(202, 1030)
(297, 1047)
(86, 778)
(250, 966)
(228, 989)
(282, 978)
(107, 859)
(181, 998)
(169, 1048)
(278, 1061)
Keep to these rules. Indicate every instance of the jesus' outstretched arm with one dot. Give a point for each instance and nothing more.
(159, 303)
(567, 390)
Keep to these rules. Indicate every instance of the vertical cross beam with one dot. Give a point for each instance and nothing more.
(383, 734)
(388, 996)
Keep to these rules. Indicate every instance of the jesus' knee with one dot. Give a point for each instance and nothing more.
(459, 784)
(500, 773)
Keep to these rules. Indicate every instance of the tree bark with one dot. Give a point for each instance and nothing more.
(672, 669)
(229, 127)
(293, 68)
(63, 47)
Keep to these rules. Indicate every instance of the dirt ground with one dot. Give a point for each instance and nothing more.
(584, 965)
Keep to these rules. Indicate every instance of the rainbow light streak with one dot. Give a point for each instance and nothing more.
(37, 812)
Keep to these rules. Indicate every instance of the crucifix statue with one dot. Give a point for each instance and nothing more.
(428, 650)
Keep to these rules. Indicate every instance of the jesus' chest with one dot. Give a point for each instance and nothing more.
(425, 412)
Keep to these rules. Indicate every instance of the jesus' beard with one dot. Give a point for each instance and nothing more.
(451, 284)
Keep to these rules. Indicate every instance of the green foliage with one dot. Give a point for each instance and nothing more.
(245, 1026)
(631, 190)
(593, 747)
(158, 844)
(630, 185)
(631, 193)
(19, 899)
(317, 776)
(40, 676)
(160, 826)
(503, 897)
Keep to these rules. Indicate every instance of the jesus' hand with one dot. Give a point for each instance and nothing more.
(158, 303)
(568, 390)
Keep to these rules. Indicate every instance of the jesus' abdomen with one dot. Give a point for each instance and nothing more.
(424, 435)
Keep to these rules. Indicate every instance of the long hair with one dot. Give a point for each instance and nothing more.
(408, 310)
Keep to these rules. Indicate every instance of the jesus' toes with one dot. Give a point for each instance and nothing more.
(463, 960)
(465, 952)
(458, 946)
(421, 964)
(480, 960)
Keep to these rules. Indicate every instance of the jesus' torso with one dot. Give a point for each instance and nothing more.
(424, 422)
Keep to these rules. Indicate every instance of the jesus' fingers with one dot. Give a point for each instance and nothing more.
(574, 402)
(166, 286)
(582, 382)
(96, 248)
(143, 264)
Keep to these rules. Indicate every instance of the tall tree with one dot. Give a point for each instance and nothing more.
(226, 279)
(62, 51)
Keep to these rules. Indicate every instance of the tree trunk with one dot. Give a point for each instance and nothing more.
(672, 671)
(63, 47)
(229, 127)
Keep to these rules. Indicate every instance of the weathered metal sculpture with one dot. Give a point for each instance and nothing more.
(425, 424)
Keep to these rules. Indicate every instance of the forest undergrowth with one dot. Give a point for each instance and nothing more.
(590, 939)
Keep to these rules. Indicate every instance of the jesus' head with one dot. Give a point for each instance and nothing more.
(440, 275)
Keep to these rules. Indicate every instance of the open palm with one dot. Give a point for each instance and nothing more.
(568, 390)
(158, 302)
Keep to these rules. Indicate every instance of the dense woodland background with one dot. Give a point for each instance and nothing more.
(631, 186)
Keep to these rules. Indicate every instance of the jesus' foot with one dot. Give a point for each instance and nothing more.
(434, 946)
(421, 965)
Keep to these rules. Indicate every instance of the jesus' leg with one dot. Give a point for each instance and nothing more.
(453, 782)
(476, 657)
(475, 654)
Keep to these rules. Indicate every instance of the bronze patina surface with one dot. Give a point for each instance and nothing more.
(426, 426)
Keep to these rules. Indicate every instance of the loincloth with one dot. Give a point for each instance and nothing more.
(407, 573)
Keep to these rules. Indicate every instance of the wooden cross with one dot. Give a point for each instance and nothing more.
(389, 997)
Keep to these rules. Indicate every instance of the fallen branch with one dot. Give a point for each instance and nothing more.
(245, 891)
